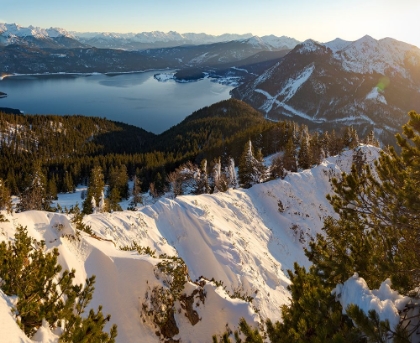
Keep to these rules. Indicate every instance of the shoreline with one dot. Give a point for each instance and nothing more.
(227, 81)
(83, 74)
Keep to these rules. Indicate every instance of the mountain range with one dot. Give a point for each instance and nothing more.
(368, 83)
(40, 37)
(232, 248)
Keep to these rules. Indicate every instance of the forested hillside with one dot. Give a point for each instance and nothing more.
(66, 148)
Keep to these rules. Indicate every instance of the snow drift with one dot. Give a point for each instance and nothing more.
(243, 239)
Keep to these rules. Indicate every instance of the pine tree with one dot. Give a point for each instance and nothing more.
(231, 174)
(159, 183)
(289, 156)
(371, 139)
(277, 168)
(316, 151)
(102, 203)
(202, 185)
(304, 159)
(94, 191)
(136, 193)
(350, 137)
(334, 144)
(375, 235)
(35, 197)
(114, 199)
(45, 292)
(381, 210)
(219, 179)
(313, 314)
(52, 189)
(5, 198)
(260, 169)
(119, 179)
(251, 170)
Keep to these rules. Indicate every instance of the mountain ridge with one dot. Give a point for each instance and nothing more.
(368, 83)
(242, 238)
(14, 33)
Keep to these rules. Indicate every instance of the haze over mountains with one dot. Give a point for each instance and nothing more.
(368, 83)
(16, 34)
(204, 243)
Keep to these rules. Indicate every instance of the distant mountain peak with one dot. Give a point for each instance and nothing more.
(16, 30)
(367, 83)
(308, 46)
(337, 44)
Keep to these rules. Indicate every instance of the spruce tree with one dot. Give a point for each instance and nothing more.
(136, 193)
(5, 198)
(220, 182)
(35, 196)
(277, 168)
(376, 234)
(245, 167)
(289, 156)
(202, 184)
(304, 158)
(371, 139)
(231, 174)
(251, 169)
(94, 191)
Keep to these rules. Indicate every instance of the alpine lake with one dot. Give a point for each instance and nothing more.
(134, 98)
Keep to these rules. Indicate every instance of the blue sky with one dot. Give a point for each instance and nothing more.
(322, 20)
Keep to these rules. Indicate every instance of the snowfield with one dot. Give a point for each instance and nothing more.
(245, 238)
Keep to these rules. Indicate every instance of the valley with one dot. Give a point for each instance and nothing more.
(208, 188)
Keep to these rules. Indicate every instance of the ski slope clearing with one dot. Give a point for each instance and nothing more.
(246, 239)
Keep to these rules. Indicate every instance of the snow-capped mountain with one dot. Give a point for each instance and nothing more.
(154, 39)
(15, 30)
(158, 39)
(246, 238)
(367, 83)
(16, 34)
(272, 42)
(37, 37)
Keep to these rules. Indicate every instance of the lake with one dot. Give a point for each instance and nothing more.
(137, 98)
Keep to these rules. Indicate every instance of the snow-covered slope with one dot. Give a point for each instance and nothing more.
(32, 36)
(159, 36)
(16, 34)
(172, 38)
(368, 55)
(368, 83)
(272, 42)
(245, 238)
(15, 30)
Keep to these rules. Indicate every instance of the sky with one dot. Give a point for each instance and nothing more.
(321, 20)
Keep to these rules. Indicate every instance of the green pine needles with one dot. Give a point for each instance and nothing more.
(377, 235)
(44, 291)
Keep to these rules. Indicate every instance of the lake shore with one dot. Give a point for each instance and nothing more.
(111, 73)
(131, 98)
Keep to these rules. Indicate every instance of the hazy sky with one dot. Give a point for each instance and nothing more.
(322, 20)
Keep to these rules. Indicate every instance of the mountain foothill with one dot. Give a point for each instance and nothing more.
(292, 217)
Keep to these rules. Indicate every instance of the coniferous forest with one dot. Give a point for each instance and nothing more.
(375, 232)
(377, 236)
(63, 150)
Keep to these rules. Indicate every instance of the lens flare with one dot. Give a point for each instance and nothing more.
(383, 83)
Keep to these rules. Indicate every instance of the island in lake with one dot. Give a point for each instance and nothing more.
(2, 95)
